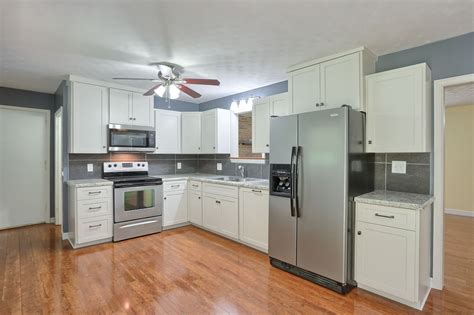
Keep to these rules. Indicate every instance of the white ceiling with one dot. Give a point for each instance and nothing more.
(459, 95)
(245, 44)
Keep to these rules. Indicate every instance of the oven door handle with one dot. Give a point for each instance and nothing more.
(124, 185)
(138, 223)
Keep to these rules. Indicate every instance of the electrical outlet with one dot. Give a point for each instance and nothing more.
(219, 166)
(90, 167)
(178, 165)
(399, 167)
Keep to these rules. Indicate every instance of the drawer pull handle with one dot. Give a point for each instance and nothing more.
(217, 201)
(94, 192)
(257, 191)
(95, 226)
(385, 216)
(138, 224)
(194, 185)
(95, 208)
(175, 185)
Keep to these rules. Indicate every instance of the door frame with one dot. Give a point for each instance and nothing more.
(47, 179)
(438, 174)
(58, 174)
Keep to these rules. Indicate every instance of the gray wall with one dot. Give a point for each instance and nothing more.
(177, 105)
(37, 100)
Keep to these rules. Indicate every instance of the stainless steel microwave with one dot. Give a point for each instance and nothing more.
(128, 138)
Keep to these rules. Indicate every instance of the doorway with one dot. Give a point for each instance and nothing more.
(24, 166)
(58, 162)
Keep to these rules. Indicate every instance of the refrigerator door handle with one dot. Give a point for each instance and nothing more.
(292, 165)
(297, 171)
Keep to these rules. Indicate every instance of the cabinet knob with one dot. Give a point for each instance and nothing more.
(317, 104)
(103, 146)
(131, 118)
(214, 147)
(164, 198)
(370, 141)
(359, 232)
(267, 145)
(199, 148)
(217, 201)
(322, 104)
(199, 197)
(157, 148)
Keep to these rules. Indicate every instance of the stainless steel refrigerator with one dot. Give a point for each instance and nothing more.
(317, 167)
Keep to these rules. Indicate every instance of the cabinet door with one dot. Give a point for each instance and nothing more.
(210, 213)
(229, 216)
(385, 259)
(341, 82)
(279, 105)
(304, 89)
(121, 107)
(261, 126)
(175, 208)
(142, 110)
(191, 133)
(396, 111)
(195, 207)
(89, 118)
(253, 217)
(208, 135)
(168, 131)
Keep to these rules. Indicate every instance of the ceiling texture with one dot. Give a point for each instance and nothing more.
(459, 95)
(245, 44)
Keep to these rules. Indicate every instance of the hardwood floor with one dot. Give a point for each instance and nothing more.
(188, 270)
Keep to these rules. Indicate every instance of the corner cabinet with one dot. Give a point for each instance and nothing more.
(215, 131)
(191, 133)
(88, 118)
(330, 82)
(253, 217)
(168, 131)
(399, 110)
(131, 108)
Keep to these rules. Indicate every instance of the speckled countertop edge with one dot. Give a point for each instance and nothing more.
(208, 178)
(89, 182)
(396, 199)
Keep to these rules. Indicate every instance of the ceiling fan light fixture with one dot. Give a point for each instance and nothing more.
(173, 91)
(160, 91)
(234, 106)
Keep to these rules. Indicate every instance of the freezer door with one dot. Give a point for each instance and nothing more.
(322, 222)
(283, 136)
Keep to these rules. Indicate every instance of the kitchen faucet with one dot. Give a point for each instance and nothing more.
(242, 170)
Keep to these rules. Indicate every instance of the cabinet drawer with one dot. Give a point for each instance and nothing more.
(195, 185)
(94, 192)
(387, 216)
(221, 190)
(93, 208)
(94, 229)
(174, 186)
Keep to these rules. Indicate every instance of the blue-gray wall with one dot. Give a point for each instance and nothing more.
(177, 105)
(224, 102)
(37, 100)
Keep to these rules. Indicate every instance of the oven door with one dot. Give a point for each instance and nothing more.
(125, 138)
(138, 202)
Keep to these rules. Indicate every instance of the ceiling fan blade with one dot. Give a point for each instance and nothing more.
(152, 90)
(202, 81)
(131, 79)
(188, 91)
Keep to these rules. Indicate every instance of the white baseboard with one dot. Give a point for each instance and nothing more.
(52, 220)
(463, 213)
(65, 236)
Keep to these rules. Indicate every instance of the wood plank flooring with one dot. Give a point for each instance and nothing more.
(190, 271)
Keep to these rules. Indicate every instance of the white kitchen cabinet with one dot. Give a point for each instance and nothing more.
(279, 105)
(392, 252)
(399, 110)
(130, 108)
(88, 118)
(191, 132)
(195, 203)
(168, 131)
(330, 82)
(215, 131)
(229, 220)
(175, 204)
(253, 217)
(211, 217)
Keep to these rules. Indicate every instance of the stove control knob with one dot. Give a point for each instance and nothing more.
(110, 165)
(115, 165)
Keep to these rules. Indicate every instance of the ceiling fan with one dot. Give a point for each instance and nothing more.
(171, 83)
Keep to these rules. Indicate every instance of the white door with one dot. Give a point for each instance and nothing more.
(229, 216)
(175, 208)
(253, 217)
(191, 133)
(168, 131)
(210, 213)
(304, 89)
(121, 107)
(279, 105)
(89, 116)
(261, 126)
(24, 166)
(195, 207)
(142, 110)
(340, 82)
(385, 259)
(208, 135)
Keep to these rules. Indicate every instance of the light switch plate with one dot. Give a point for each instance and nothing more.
(90, 167)
(219, 166)
(399, 167)
(178, 165)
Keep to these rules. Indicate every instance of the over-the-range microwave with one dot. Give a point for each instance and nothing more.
(128, 138)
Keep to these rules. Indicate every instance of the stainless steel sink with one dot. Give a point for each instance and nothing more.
(236, 179)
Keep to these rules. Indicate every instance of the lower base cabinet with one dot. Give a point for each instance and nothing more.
(253, 217)
(195, 207)
(175, 208)
(221, 214)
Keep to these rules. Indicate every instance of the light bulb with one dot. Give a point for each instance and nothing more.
(250, 102)
(160, 91)
(242, 104)
(233, 106)
(173, 92)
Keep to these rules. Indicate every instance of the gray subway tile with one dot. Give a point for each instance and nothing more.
(266, 171)
(207, 156)
(78, 170)
(90, 157)
(228, 168)
(253, 170)
(186, 156)
(161, 167)
(379, 175)
(160, 157)
(187, 166)
(222, 156)
(207, 166)
(380, 157)
(416, 180)
(418, 158)
(127, 157)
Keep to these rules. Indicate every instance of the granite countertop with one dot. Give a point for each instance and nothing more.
(209, 178)
(396, 199)
(89, 182)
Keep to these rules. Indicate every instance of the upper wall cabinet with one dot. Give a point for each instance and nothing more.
(330, 82)
(399, 110)
(191, 133)
(88, 118)
(168, 131)
(215, 132)
(131, 108)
